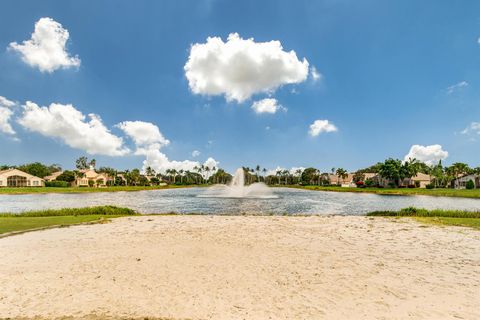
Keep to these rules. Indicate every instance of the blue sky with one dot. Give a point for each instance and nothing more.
(386, 68)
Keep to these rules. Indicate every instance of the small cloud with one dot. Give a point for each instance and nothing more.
(6, 114)
(46, 49)
(195, 153)
(428, 154)
(457, 86)
(478, 40)
(320, 126)
(267, 128)
(316, 76)
(472, 128)
(268, 105)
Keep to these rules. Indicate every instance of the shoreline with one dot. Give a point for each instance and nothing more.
(254, 267)
(439, 192)
(446, 192)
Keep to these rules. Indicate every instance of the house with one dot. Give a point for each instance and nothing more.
(421, 180)
(53, 176)
(461, 182)
(97, 179)
(344, 182)
(17, 178)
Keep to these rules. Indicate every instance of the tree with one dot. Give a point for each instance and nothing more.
(92, 163)
(390, 170)
(342, 174)
(358, 177)
(149, 171)
(82, 163)
(67, 176)
(37, 169)
(470, 184)
(309, 176)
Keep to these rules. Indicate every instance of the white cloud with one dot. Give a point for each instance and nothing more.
(143, 133)
(268, 105)
(149, 141)
(5, 115)
(320, 126)
(4, 102)
(457, 86)
(195, 153)
(46, 49)
(72, 127)
(5, 126)
(428, 154)
(292, 171)
(157, 160)
(473, 127)
(315, 74)
(239, 68)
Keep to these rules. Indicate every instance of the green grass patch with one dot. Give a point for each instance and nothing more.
(27, 190)
(463, 193)
(461, 222)
(439, 217)
(31, 220)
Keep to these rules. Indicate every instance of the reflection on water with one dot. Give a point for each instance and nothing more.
(289, 201)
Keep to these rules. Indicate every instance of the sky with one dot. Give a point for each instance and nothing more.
(328, 83)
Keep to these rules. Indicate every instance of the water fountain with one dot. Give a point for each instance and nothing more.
(238, 189)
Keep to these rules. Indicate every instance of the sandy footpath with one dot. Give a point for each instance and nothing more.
(212, 267)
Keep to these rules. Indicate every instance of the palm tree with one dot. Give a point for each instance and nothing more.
(342, 174)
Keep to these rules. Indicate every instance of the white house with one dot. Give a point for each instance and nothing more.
(17, 178)
(461, 182)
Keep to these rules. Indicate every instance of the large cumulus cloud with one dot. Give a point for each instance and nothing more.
(240, 68)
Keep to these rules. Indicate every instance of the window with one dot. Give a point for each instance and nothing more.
(35, 183)
(1, 182)
(16, 181)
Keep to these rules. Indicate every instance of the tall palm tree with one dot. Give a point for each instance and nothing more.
(342, 174)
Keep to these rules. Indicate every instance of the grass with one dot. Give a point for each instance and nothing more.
(464, 193)
(33, 220)
(439, 217)
(27, 190)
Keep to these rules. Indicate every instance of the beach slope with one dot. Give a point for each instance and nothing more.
(214, 267)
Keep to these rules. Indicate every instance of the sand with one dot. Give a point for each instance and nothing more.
(213, 267)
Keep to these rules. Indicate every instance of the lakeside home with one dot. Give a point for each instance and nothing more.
(461, 182)
(90, 176)
(16, 178)
(421, 180)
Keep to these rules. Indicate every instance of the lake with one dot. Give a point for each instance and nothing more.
(187, 200)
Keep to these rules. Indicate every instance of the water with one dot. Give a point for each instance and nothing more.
(289, 201)
(238, 189)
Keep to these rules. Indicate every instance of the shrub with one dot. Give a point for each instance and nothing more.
(470, 184)
(91, 183)
(411, 186)
(392, 185)
(430, 186)
(369, 183)
(417, 184)
(57, 184)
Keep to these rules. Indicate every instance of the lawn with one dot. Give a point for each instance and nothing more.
(464, 193)
(63, 217)
(439, 217)
(27, 190)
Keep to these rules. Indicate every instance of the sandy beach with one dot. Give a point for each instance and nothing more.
(213, 267)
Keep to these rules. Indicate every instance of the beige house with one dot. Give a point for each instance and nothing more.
(98, 179)
(17, 178)
(53, 176)
(344, 182)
